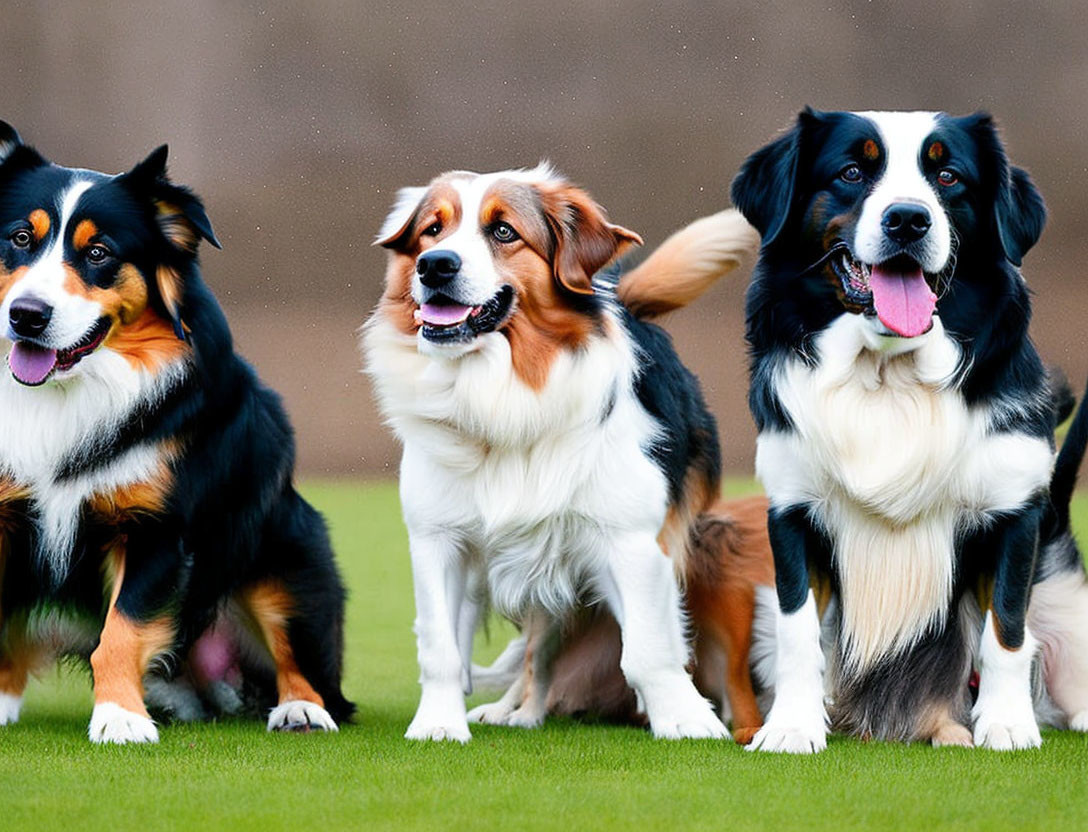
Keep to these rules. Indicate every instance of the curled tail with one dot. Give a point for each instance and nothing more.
(1067, 467)
(687, 263)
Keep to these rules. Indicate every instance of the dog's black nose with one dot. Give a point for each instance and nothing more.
(906, 222)
(29, 316)
(437, 268)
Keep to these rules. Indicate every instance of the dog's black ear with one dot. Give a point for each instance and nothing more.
(1021, 215)
(9, 140)
(179, 212)
(764, 188)
(181, 218)
(13, 150)
(1019, 212)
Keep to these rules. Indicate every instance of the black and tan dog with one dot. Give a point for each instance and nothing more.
(146, 473)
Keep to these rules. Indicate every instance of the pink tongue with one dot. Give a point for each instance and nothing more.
(443, 314)
(904, 302)
(31, 364)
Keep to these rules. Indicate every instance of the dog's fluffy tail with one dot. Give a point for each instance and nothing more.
(687, 263)
(502, 672)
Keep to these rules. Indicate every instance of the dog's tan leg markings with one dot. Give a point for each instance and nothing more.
(300, 708)
(125, 648)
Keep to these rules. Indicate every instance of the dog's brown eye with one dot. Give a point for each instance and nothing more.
(22, 238)
(504, 232)
(850, 173)
(433, 230)
(97, 254)
(947, 177)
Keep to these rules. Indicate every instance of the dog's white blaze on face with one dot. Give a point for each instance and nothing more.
(73, 315)
(902, 180)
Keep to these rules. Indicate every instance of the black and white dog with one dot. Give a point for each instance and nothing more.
(905, 428)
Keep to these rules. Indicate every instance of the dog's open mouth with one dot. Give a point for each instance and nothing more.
(32, 364)
(897, 291)
(444, 320)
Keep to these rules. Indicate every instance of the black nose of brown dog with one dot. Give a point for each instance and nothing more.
(437, 268)
(29, 317)
(905, 222)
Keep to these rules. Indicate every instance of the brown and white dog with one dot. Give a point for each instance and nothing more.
(553, 442)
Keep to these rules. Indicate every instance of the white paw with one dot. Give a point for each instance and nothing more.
(999, 737)
(300, 716)
(493, 713)
(9, 708)
(525, 718)
(694, 719)
(1079, 722)
(789, 739)
(425, 730)
(110, 723)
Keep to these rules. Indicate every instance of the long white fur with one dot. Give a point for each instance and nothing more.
(45, 425)
(894, 465)
(535, 490)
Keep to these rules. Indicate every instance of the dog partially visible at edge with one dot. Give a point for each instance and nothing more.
(146, 491)
(905, 434)
(553, 442)
(732, 609)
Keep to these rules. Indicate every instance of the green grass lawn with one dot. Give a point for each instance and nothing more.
(566, 775)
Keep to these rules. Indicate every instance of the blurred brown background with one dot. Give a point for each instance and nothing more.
(297, 122)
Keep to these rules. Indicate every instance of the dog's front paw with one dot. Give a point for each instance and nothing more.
(1079, 721)
(789, 739)
(1007, 734)
(301, 717)
(9, 708)
(952, 734)
(493, 713)
(525, 717)
(110, 723)
(695, 719)
(451, 730)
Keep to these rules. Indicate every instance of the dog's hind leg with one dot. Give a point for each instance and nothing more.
(299, 613)
(1058, 616)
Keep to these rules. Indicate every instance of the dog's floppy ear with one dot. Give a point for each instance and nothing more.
(1019, 212)
(1021, 215)
(402, 216)
(180, 216)
(584, 239)
(764, 188)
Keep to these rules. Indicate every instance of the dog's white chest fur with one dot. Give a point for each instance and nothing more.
(535, 483)
(44, 427)
(894, 466)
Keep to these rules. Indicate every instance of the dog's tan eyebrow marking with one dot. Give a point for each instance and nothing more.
(870, 150)
(84, 233)
(935, 152)
(40, 223)
(518, 204)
